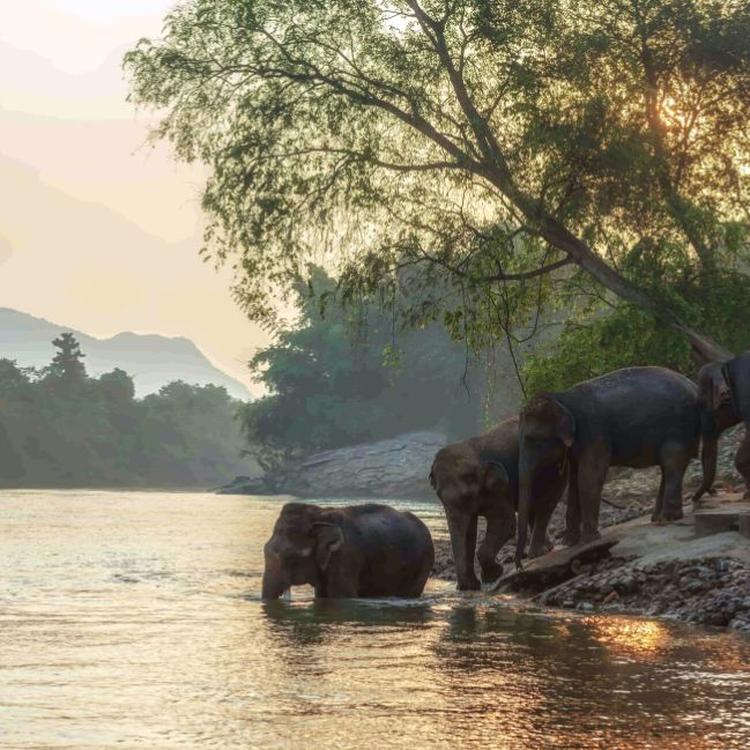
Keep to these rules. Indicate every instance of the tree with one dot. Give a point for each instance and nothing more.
(67, 363)
(117, 387)
(97, 434)
(519, 142)
(340, 376)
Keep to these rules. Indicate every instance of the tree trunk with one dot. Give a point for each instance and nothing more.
(558, 236)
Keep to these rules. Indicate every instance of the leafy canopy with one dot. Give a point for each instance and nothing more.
(481, 144)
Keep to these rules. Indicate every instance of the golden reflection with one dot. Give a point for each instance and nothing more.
(622, 635)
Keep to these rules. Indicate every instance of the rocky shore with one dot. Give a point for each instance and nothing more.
(654, 571)
(704, 590)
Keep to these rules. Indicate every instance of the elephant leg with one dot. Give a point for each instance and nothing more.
(592, 471)
(539, 542)
(675, 460)
(659, 504)
(742, 461)
(501, 527)
(463, 531)
(342, 583)
(573, 509)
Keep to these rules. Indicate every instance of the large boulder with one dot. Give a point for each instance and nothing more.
(397, 467)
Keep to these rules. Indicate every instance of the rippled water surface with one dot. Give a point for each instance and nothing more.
(133, 619)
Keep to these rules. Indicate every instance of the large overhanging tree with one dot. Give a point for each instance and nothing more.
(489, 143)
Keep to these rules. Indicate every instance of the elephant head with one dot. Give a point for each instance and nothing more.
(716, 413)
(469, 485)
(300, 549)
(547, 430)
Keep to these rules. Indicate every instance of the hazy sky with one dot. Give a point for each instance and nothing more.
(98, 231)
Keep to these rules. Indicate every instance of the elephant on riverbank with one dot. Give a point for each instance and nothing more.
(637, 417)
(724, 402)
(365, 550)
(479, 477)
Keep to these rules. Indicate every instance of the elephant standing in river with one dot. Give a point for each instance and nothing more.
(365, 550)
(724, 402)
(479, 477)
(638, 416)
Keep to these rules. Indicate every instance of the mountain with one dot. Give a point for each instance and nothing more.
(152, 361)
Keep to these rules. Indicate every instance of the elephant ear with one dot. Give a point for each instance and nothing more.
(495, 476)
(433, 480)
(329, 538)
(566, 425)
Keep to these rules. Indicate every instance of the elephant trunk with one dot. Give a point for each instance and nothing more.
(522, 525)
(709, 442)
(274, 585)
(463, 531)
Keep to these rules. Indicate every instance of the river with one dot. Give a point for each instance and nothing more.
(133, 619)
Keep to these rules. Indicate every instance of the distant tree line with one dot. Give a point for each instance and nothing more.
(61, 428)
(340, 375)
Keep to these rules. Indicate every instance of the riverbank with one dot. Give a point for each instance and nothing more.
(639, 568)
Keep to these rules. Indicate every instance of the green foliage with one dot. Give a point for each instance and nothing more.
(67, 364)
(599, 339)
(60, 428)
(341, 376)
(624, 338)
(471, 142)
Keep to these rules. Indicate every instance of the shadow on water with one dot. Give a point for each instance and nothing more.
(317, 621)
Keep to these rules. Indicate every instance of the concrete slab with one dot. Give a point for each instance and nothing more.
(716, 521)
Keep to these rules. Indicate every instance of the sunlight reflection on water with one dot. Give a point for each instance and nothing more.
(134, 618)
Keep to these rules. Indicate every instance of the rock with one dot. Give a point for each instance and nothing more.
(398, 467)
(243, 485)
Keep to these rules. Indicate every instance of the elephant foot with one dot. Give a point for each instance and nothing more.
(590, 536)
(672, 515)
(570, 539)
(491, 572)
(537, 550)
(470, 585)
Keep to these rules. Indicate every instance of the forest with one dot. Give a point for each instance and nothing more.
(498, 168)
(61, 428)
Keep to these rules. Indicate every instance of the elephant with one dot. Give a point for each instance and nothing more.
(367, 550)
(479, 477)
(724, 402)
(637, 417)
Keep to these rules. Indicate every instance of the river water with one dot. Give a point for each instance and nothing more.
(133, 619)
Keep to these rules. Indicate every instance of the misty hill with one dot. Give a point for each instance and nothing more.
(151, 360)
